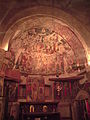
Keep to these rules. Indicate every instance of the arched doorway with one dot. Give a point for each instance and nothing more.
(82, 106)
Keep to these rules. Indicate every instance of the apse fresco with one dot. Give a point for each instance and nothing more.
(41, 49)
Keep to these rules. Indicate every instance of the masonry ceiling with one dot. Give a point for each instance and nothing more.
(80, 9)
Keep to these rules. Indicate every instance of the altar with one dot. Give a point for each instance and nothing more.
(41, 110)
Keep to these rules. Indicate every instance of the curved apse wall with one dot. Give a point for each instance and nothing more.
(44, 45)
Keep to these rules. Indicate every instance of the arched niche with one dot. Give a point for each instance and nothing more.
(56, 21)
(82, 94)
